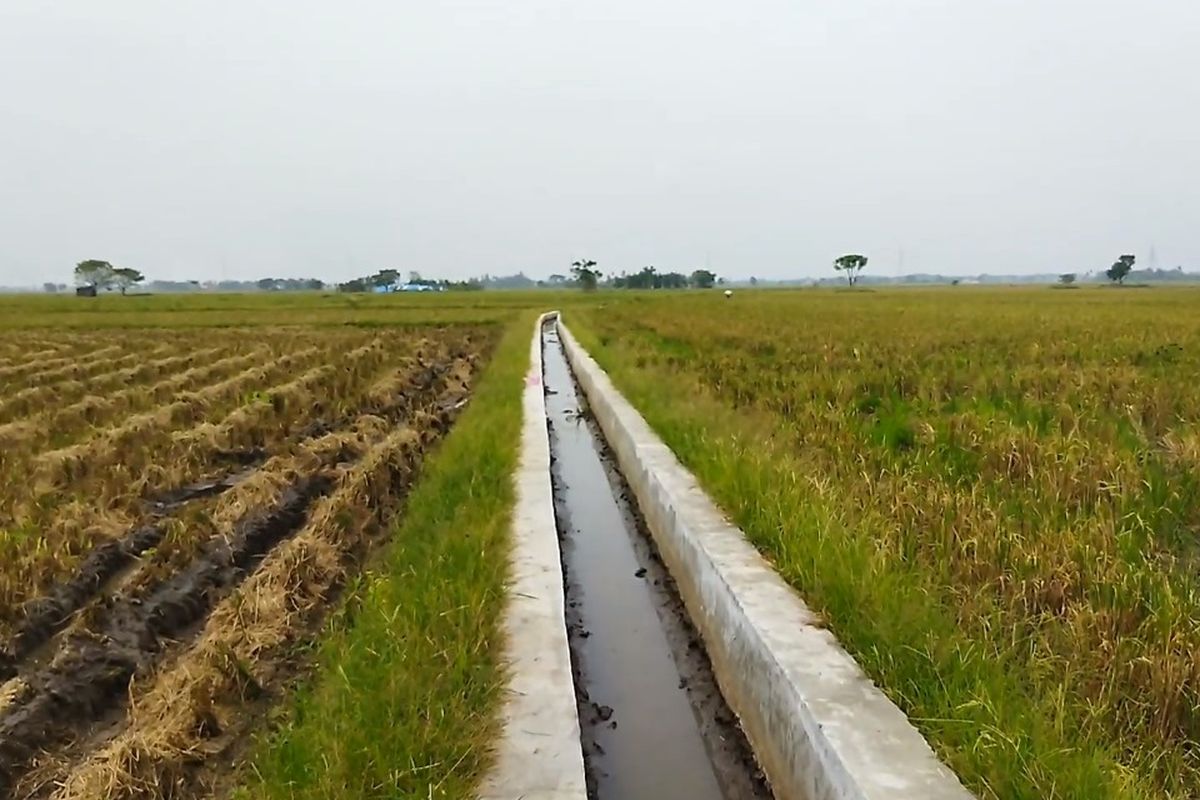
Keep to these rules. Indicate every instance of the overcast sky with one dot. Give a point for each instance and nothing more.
(245, 138)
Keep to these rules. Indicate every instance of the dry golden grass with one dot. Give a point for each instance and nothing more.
(63, 502)
(93, 444)
(68, 382)
(993, 495)
(175, 720)
(61, 422)
(182, 714)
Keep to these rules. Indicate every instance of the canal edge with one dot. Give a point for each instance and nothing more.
(538, 754)
(818, 725)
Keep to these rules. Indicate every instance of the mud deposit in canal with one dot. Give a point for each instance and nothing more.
(654, 723)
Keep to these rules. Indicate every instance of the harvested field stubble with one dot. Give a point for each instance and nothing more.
(133, 558)
(992, 495)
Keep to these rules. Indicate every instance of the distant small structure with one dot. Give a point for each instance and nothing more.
(390, 288)
(85, 291)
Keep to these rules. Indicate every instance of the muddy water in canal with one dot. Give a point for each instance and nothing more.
(655, 726)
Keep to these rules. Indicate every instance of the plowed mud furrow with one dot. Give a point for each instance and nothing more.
(49, 613)
(45, 616)
(90, 675)
(195, 709)
(91, 490)
(191, 476)
(221, 567)
(51, 609)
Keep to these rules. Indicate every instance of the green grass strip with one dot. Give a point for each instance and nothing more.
(407, 681)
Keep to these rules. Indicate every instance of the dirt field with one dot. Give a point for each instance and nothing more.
(179, 509)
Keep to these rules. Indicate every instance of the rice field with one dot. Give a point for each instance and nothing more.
(991, 495)
(181, 507)
(256, 545)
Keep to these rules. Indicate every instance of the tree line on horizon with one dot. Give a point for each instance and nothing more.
(102, 276)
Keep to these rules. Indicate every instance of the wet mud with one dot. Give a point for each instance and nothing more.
(81, 646)
(46, 615)
(91, 673)
(654, 723)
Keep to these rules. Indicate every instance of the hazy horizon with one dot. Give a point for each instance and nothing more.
(238, 141)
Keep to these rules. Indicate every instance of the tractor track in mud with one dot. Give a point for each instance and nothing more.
(81, 645)
(45, 616)
(91, 673)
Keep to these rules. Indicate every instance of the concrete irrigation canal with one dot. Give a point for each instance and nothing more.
(653, 652)
(641, 678)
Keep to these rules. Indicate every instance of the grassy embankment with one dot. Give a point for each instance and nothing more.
(991, 495)
(407, 681)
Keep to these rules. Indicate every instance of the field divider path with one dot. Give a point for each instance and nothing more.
(818, 726)
(539, 753)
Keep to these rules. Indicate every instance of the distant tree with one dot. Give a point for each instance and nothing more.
(385, 277)
(586, 274)
(94, 273)
(314, 284)
(645, 278)
(753, 281)
(517, 281)
(1120, 269)
(671, 280)
(851, 264)
(556, 280)
(124, 277)
(267, 284)
(704, 279)
(50, 288)
(1067, 278)
(414, 276)
(356, 285)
